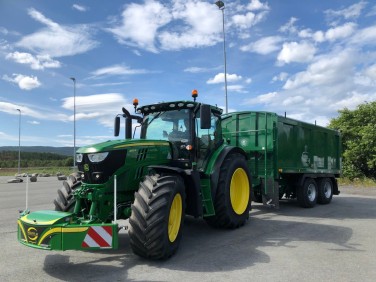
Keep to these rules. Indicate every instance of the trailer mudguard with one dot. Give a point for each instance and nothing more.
(53, 230)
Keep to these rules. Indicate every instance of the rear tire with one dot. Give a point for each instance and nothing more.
(307, 194)
(325, 191)
(232, 201)
(65, 201)
(157, 216)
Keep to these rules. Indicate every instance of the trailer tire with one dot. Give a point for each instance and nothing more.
(155, 225)
(233, 198)
(325, 191)
(65, 201)
(307, 194)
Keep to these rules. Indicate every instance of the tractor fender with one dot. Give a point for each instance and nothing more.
(216, 169)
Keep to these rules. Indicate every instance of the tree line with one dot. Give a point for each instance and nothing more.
(9, 159)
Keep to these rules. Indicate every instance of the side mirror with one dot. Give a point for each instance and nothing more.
(205, 117)
(117, 126)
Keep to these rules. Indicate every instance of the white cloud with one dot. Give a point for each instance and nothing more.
(117, 70)
(33, 122)
(326, 70)
(371, 72)
(365, 36)
(245, 21)
(24, 82)
(40, 113)
(197, 26)
(289, 26)
(177, 25)
(56, 40)
(79, 8)
(220, 78)
(140, 24)
(264, 45)
(296, 52)
(262, 99)
(38, 62)
(340, 31)
(280, 77)
(237, 88)
(257, 5)
(199, 70)
(101, 107)
(351, 12)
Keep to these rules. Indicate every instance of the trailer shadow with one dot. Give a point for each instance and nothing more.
(204, 249)
(341, 207)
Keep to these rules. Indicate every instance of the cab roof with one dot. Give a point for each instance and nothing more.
(174, 105)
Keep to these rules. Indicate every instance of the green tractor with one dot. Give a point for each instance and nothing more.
(181, 165)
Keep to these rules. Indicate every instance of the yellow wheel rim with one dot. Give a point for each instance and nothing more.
(239, 191)
(174, 218)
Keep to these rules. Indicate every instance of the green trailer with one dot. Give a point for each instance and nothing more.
(286, 157)
(190, 160)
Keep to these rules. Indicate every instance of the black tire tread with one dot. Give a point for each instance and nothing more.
(146, 233)
(321, 198)
(302, 196)
(64, 200)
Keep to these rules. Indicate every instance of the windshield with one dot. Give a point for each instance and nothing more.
(167, 125)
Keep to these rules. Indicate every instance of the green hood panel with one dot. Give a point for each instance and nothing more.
(120, 144)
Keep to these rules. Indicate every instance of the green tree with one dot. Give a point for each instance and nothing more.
(358, 130)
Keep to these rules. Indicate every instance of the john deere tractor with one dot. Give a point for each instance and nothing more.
(180, 166)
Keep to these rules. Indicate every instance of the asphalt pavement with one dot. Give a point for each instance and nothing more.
(334, 242)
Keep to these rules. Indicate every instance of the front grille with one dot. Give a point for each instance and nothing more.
(104, 170)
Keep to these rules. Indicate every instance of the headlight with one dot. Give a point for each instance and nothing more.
(79, 158)
(97, 157)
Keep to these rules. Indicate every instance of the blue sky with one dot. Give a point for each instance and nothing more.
(307, 58)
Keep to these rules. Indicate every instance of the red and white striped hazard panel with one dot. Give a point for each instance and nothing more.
(98, 237)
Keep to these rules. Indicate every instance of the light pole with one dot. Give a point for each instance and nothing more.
(221, 6)
(74, 121)
(19, 142)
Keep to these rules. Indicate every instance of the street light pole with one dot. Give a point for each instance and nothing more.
(221, 6)
(19, 142)
(74, 121)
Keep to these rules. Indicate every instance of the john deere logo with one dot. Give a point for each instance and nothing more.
(32, 233)
(86, 167)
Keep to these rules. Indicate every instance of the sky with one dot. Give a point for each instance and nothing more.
(306, 58)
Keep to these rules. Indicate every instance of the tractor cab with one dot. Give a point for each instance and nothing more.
(193, 130)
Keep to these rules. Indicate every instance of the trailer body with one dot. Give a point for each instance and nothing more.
(283, 152)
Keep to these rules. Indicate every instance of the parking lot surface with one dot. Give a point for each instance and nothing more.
(334, 242)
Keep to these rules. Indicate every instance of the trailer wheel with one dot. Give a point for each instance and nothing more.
(65, 201)
(325, 191)
(307, 194)
(157, 216)
(232, 201)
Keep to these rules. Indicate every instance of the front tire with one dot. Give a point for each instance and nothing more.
(65, 201)
(157, 216)
(232, 201)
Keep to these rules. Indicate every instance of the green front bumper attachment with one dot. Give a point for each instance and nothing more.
(53, 230)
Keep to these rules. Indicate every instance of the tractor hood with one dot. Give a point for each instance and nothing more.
(112, 145)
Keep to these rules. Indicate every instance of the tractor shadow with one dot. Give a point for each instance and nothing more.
(205, 249)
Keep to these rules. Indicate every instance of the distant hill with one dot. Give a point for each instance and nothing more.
(65, 151)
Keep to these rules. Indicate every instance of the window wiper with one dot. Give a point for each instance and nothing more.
(157, 115)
